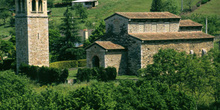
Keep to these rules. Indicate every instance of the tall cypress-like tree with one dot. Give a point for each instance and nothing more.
(156, 6)
(70, 29)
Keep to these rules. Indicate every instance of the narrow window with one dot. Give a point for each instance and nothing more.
(33, 5)
(38, 36)
(40, 8)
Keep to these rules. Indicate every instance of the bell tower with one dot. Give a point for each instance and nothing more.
(31, 24)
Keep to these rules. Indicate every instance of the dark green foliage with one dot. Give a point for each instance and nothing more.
(204, 1)
(4, 14)
(81, 11)
(99, 32)
(7, 64)
(156, 6)
(50, 3)
(12, 85)
(69, 28)
(44, 75)
(124, 95)
(101, 74)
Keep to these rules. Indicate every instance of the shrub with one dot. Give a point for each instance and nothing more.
(84, 74)
(198, 4)
(111, 73)
(44, 75)
(82, 63)
(7, 64)
(204, 1)
(101, 74)
(64, 64)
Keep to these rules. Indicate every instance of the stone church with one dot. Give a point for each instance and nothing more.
(31, 24)
(132, 38)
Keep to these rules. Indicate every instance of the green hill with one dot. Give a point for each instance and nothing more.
(210, 8)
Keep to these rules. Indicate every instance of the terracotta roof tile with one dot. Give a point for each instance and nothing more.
(108, 45)
(188, 23)
(147, 15)
(170, 36)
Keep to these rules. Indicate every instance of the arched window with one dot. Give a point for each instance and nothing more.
(40, 5)
(33, 5)
(95, 61)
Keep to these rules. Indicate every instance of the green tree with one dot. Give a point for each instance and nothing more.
(171, 6)
(8, 48)
(4, 14)
(69, 28)
(80, 11)
(99, 32)
(157, 6)
(50, 3)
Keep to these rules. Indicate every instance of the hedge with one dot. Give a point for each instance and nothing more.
(82, 63)
(44, 75)
(101, 74)
(8, 64)
(69, 64)
(64, 64)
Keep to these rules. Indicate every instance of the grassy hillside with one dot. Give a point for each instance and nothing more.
(211, 8)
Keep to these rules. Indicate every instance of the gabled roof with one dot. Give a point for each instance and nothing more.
(107, 45)
(84, 1)
(189, 23)
(146, 15)
(170, 36)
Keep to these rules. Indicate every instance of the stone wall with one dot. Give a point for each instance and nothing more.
(134, 56)
(21, 41)
(117, 59)
(38, 41)
(153, 26)
(95, 50)
(148, 49)
(117, 22)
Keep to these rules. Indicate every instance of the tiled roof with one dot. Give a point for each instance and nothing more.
(170, 36)
(108, 45)
(188, 23)
(147, 15)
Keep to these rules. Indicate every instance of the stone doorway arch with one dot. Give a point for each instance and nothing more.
(95, 61)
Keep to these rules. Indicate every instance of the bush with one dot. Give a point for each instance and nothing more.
(84, 74)
(64, 64)
(204, 1)
(44, 75)
(198, 4)
(101, 74)
(82, 63)
(7, 64)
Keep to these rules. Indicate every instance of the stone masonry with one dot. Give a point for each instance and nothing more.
(141, 34)
(32, 42)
